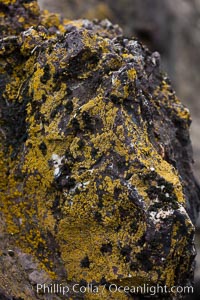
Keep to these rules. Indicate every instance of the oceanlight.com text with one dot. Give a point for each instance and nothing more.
(112, 288)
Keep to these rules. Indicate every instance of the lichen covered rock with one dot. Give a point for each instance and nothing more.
(95, 159)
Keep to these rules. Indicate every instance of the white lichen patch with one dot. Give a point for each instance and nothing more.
(183, 211)
(72, 190)
(159, 216)
(57, 163)
(86, 183)
(163, 214)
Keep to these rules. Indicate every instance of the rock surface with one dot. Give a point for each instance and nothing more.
(169, 26)
(97, 186)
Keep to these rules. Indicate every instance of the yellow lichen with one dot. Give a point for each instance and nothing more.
(101, 145)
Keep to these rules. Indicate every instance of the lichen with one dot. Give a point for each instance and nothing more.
(90, 166)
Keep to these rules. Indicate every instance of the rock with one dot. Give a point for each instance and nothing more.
(26, 261)
(170, 27)
(38, 277)
(97, 185)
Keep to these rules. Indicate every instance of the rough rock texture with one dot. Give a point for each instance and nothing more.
(168, 26)
(96, 181)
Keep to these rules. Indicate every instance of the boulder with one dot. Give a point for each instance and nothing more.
(97, 190)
